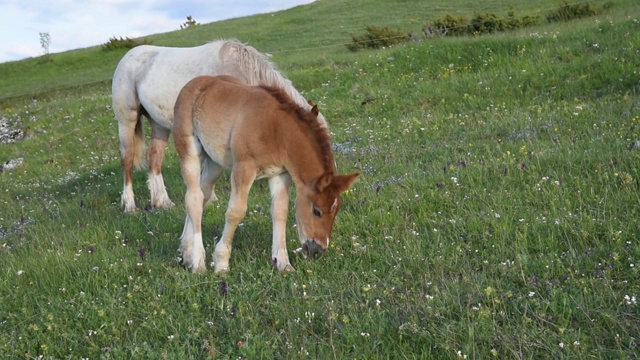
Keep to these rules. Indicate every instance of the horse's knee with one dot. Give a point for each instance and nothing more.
(236, 213)
(194, 199)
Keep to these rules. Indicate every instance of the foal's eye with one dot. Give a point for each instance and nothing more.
(316, 212)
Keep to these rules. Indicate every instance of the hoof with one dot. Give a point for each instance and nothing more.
(287, 268)
(222, 270)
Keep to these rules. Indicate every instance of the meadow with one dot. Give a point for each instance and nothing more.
(497, 214)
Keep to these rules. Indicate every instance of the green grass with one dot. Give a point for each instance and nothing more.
(496, 215)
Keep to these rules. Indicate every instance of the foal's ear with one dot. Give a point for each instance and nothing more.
(344, 182)
(337, 183)
(323, 181)
(314, 110)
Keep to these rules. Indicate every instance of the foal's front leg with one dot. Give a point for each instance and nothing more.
(242, 176)
(279, 187)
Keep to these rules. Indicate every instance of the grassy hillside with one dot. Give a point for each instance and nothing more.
(300, 35)
(496, 215)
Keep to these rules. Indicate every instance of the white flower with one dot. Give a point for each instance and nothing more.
(20, 272)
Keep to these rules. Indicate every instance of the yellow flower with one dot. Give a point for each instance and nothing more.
(489, 291)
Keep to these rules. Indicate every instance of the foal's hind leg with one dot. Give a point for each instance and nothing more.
(209, 174)
(155, 156)
(191, 247)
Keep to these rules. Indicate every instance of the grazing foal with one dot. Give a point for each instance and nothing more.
(257, 132)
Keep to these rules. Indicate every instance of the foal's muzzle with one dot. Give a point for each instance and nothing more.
(312, 249)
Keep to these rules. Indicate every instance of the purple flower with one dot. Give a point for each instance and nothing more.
(91, 249)
(223, 287)
(274, 262)
(141, 253)
(523, 166)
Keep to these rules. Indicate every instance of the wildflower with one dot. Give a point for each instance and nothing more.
(141, 253)
(20, 272)
(223, 287)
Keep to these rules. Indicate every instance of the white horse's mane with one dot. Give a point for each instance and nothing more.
(259, 69)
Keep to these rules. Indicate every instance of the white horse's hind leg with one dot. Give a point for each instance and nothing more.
(279, 187)
(131, 149)
(155, 156)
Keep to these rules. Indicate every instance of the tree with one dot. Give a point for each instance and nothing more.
(45, 42)
(189, 23)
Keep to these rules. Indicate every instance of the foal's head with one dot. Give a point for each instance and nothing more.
(317, 205)
(317, 201)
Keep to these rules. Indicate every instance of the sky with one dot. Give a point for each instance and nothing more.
(74, 24)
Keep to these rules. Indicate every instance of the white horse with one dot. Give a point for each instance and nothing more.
(147, 82)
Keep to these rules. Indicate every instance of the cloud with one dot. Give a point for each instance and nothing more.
(74, 24)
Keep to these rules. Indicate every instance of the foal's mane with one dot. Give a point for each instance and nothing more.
(319, 131)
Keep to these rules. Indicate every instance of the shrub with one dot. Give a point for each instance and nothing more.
(490, 22)
(481, 23)
(486, 23)
(568, 12)
(377, 37)
(115, 43)
(447, 25)
(512, 22)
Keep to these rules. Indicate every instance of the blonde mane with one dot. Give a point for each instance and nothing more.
(316, 127)
(258, 69)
